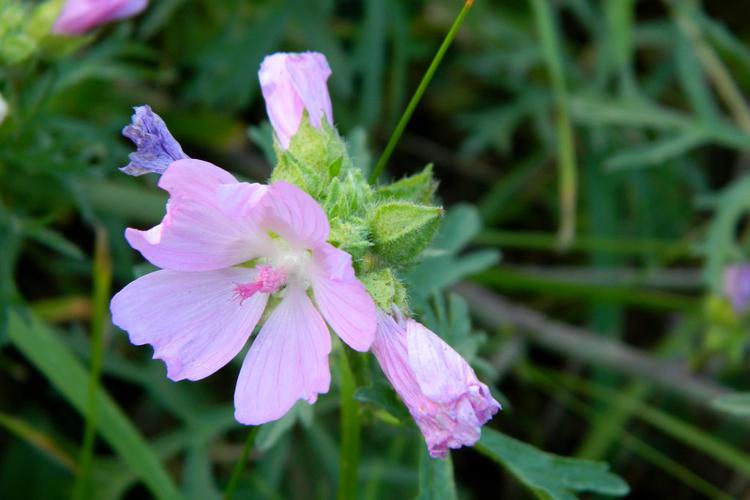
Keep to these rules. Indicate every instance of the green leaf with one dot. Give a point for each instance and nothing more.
(382, 395)
(736, 404)
(547, 475)
(441, 265)
(41, 347)
(436, 478)
(656, 152)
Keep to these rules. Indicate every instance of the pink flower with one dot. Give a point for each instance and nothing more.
(441, 391)
(226, 249)
(737, 286)
(291, 84)
(79, 16)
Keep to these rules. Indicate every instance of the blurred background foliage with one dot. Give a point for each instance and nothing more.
(604, 146)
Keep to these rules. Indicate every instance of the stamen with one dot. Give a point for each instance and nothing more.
(268, 280)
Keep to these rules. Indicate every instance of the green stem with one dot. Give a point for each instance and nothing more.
(239, 467)
(551, 43)
(404, 120)
(533, 240)
(350, 432)
(102, 282)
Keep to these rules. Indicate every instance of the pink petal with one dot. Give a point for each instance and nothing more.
(309, 72)
(342, 299)
(193, 320)
(282, 208)
(195, 234)
(80, 16)
(287, 361)
(391, 352)
(442, 373)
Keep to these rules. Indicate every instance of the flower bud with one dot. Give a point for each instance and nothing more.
(402, 230)
(292, 84)
(156, 149)
(445, 398)
(79, 16)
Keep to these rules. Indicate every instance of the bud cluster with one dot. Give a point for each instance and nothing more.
(384, 228)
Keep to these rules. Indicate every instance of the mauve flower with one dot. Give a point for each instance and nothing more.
(156, 149)
(79, 16)
(441, 391)
(226, 249)
(291, 84)
(737, 286)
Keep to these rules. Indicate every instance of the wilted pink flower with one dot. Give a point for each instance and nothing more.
(156, 149)
(737, 286)
(226, 248)
(79, 16)
(291, 84)
(441, 391)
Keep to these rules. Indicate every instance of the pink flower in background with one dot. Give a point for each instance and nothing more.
(737, 286)
(226, 248)
(79, 16)
(291, 84)
(441, 391)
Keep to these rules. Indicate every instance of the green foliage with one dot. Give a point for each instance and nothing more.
(547, 475)
(436, 478)
(40, 346)
(735, 404)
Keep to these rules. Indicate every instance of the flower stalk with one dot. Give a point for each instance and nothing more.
(426, 79)
(351, 427)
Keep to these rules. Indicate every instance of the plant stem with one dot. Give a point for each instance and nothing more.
(551, 43)
(587, 347)
(239, 467)
(102, 277)
(404, 120)
(350, 432)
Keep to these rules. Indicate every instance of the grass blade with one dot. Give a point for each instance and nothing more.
(43, 350)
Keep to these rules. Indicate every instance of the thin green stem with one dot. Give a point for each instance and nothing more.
(404, 120)
(239, 467)
(550, 44)
(100, 299)
(350, 432)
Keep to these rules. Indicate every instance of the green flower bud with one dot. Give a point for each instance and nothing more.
(349, 235)
(314, 157)
(418, 188)
(401, 230)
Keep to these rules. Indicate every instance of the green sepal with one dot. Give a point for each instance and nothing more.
(385, 289)
(402, 230)
(418, 188)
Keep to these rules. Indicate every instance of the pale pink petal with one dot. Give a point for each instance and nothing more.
(441, 372)
(309, 72)
(295, 215)
(389, 348)
(287, 361)
(193, 320)
(281, 208)
(195, 234)
(80, 16)
(343, 300)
